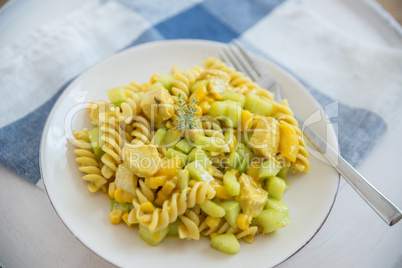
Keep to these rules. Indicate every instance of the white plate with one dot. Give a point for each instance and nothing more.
(86, 215)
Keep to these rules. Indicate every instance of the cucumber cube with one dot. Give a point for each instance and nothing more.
(184, 146)
(243, 165)
(244, 151)
(116, 96)
(212, 209)
(96, 142)
(277, 206)
(158, 137)
(219, 108)
(197, 84)
(152, 239)
(271, 220)
(199, 155)
(234, 96)
(125, 207)
(174, 229)
(170, 139)
(258, 106)
(210, 143)
(283, 172)
(234, 160)
(172, 153)
(198, 172)
(154, 86)
(232, 212)
(275, 187)
(269, 168)
(227, 243)
(234, 114)
(166, 80)
(231, 184)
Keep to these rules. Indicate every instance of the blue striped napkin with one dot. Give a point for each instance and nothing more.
(37, 68)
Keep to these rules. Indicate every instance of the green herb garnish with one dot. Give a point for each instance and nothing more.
(187, 114)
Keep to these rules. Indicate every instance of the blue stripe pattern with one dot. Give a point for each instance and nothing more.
(218, 20)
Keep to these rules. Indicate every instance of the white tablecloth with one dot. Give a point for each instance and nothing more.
(31, 234)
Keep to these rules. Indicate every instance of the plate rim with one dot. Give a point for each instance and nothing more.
(157, 42)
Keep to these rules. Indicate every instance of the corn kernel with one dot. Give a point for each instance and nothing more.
(154, 78)
(199, 94)
(246, 119)
(128, 197)
(155, 182)
(112, 187)
(147, 207)
(115, 216)
(205, 106)
(199, 110)
(118, 195)
(243, 221)
(170, 125)
(212, 222)
(220, 190)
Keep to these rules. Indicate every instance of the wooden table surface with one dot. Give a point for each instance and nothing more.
(394, 7)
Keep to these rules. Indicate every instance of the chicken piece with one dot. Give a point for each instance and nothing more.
(126, 180)
(218, 82)
(157, 105)
(142, 160)
(252, 198)
(265, 139)
(211, 74)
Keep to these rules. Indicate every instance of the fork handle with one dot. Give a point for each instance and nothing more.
(378, 202)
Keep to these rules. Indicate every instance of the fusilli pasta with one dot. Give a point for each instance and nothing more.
(225, 177)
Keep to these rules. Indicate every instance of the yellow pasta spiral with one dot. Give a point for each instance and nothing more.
(133, 86)
(144, 193)
(282, 112)
(89, 164)
(217, 173)
(212, 127)
(113, 143)
(183, 80)
(214, 63)
(141, 130)
(237, 79)
(131, 107)
(221, 228)
(188, 227)
(248, 234)
(176, 206)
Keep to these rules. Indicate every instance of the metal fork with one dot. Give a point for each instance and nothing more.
(235, 56)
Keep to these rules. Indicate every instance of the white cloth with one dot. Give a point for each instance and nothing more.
(31, 234)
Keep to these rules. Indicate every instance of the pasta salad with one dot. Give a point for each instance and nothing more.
(197, 152)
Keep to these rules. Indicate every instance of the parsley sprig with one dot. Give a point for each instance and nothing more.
(187, 114)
